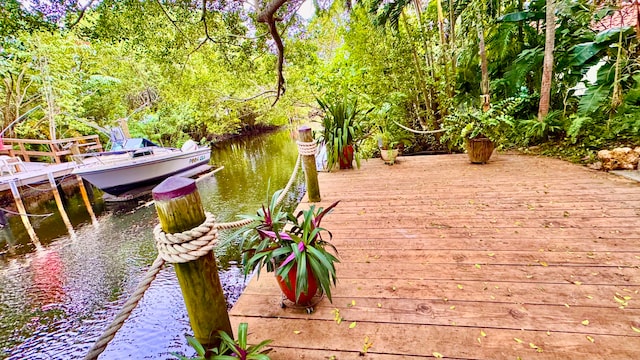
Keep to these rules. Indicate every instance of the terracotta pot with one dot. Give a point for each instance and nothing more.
(389, 155)
(290, 291)
(479, 150)
(346, 160)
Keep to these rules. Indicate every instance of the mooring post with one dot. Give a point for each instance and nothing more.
(179, 209)
(23, 214)
(85, 199)
(60, 204)
(309, 166)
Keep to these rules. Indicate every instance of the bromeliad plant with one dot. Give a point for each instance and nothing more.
(294, 248)
(229, 349)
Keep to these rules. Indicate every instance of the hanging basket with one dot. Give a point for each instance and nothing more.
(479, 150)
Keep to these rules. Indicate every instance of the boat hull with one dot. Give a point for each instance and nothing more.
(126, 174)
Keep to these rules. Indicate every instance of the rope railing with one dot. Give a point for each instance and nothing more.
(180, 248)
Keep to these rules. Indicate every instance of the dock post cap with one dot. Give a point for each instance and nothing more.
(173, 187)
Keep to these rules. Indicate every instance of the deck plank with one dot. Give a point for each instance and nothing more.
(435, 252)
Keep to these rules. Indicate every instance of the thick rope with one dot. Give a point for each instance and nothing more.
(116, 324)
(307, 148)
(176, 248)
(188, 245)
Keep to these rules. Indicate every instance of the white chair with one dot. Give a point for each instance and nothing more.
(10, 164)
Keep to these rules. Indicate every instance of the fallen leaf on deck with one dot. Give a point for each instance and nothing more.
(548, 333)
(352, 325)
(491, 254)
(585, 322)
(453, 307)
(460, 287)
(578, 283)
(353, 303)
(297, 332)
(477, 266)
(367, 345)
(589, 297)
(544, 263)
(635, 329)
(482, 333)
(379, 305)
(437, 355)
(518, 340)
(590, 338)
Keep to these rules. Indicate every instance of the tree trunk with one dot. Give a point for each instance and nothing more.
(484, 68)
(547, 68)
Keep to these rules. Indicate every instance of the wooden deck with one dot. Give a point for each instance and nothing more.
(524, 257)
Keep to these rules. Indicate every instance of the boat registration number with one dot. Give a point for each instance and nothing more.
(197, 159)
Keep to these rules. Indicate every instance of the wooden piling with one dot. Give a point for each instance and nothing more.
(60, 204)
(309, 166)
(85, 199)
(179, 208)
(23, 214)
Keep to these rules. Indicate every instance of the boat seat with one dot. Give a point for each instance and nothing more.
(10, 164)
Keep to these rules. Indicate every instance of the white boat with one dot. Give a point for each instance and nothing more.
(140, 163)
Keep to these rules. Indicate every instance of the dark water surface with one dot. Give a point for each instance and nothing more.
(56, 300)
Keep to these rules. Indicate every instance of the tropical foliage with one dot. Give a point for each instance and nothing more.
(178, 70)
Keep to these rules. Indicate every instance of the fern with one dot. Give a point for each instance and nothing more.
(577, 124)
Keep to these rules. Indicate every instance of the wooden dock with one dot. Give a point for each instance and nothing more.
(522, 258)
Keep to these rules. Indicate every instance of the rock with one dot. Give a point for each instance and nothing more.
(595, 166)
(619, 158)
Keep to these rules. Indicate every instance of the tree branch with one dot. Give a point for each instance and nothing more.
(175, 24)
(267, 16)
(81, 15)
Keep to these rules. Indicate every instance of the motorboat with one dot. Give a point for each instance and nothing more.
(137, 162)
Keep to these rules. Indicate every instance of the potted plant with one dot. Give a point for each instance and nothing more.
(342, 130)
(390, 140)
(480, 131)
(294, 248)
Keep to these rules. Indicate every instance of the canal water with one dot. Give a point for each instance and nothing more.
(56, 299)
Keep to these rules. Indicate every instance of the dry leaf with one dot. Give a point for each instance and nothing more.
(567, 305)
(352, 325)
(590, 338)
(353, 303)
(367, 345)
(518, 340)
(379, 305)
(589, 297)
(491, 254)
(578, 283)
(477, 266)
(460, 287)
(479, 341)
(635, 329)
(544, 263)
(437, 355)
(482, 333)
(297, 332)
(548, 333)
(585, 322)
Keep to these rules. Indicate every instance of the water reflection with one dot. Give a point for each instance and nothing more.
(56, 301)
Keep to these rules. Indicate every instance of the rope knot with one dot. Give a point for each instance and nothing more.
(306, 148)
(188, 245)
